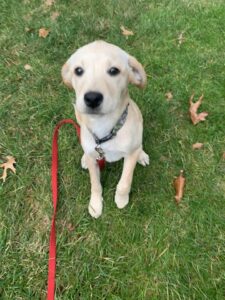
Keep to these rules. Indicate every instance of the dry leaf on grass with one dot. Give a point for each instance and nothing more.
(179, 183)
(169, 96)
(43, 32)
(27, 67)
(181, 38)
(55, 15)
(49, 2)
(223, 156)
(7, 97)
(9, 164)
(197, 146)
(125, 31)
(69, 226)
(193, 110)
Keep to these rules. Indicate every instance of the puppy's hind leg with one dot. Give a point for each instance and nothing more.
(83, 162)
(143, 159)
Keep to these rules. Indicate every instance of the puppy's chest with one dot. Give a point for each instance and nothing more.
(112, 153)
(113, 149)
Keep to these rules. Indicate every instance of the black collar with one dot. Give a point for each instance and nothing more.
(115, 129)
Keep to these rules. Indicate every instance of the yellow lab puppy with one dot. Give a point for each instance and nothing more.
(111, 123)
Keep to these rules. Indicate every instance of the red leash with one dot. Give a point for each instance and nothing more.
(52, 246)
(54, 173)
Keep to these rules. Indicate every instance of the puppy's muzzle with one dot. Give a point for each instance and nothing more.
(93, 99)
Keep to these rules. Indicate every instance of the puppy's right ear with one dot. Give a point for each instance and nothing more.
(67, 75)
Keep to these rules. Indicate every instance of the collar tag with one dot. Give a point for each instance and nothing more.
(100, 151)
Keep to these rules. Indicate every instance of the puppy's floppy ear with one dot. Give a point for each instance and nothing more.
(137, 74)
(67, 74)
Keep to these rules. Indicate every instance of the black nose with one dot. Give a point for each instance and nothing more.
(93, 99)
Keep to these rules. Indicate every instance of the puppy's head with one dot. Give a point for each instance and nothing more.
(99, 73)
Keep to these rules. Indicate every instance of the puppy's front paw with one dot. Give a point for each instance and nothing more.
(143, 159)
(95, 207)
(121, 200)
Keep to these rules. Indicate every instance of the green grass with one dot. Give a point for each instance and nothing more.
(152, 249)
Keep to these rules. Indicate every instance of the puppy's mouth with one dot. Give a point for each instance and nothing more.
(95, 111)
(89, 111)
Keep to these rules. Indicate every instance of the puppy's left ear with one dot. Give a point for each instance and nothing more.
(66, 75)
(137, 74)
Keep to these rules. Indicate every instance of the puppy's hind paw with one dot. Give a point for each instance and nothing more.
(83, 162)
(143, 159)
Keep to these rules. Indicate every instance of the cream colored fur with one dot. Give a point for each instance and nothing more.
(96, 59)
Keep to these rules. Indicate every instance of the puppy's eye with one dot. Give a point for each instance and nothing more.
(79, 71)
(113, 71)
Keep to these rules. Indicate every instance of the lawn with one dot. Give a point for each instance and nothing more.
(152, 249)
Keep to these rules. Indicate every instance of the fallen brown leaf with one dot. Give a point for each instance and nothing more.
(179, 183)
(27, 67)
(125, 31)
(43, 32)
(169, 96)
(197, 146)
(7, 97)
(195, 117)
(223, 156)
(9, 164)
(54, 15)
(70, 227)
(181, 38)
(49, 2)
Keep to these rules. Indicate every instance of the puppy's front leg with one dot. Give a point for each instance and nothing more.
(124, 185)
(95, 204)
